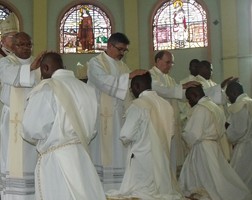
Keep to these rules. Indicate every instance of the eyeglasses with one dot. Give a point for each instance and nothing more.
(22, 45)
(122, 50)
(170, 63)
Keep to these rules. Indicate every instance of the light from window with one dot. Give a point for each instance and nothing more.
(84, 28)
(180, 24)
(4, 13)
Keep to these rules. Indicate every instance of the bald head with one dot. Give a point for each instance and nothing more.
(164, 61)
(50, 63)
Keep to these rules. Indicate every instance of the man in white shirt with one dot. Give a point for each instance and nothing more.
(239, 131)
(167, 88)
(60, 118)
(184, 106)
(110, 77)
(18, 75)
(147, 133)
(8, 28)
(205, 166)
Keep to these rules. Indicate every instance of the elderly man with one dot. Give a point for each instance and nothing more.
(8, 28)
(18, 157)
(239, 131)
(167, 88)
(110, 77)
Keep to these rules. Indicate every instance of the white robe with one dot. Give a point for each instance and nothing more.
(1, 107)
(167, 88)
(205, 166)
(222, 102)
(148, 174)
(64, 170)
(239, 134)
(109, 77)
(17, 75)
(184, 106)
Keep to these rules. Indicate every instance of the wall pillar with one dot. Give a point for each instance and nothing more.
(131, 30)
(229, 38)
(39, 26)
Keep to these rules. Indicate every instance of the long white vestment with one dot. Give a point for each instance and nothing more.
(4, 54)
(205, 166)
(64, 170)
(15, 73)
(147, 131)
(167, 88)
(222, 102)
(110, 78)
(239, 134)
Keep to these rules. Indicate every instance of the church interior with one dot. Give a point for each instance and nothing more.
(228, 34)
(218, 31)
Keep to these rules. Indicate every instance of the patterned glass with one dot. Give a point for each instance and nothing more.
(180, 24)
(84, 28)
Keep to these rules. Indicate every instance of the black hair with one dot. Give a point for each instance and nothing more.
(235, 86)
(144, 79)
(118, 38)
(196, 90)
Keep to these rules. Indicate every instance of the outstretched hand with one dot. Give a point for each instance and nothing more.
(36, 63)
(137, 72)
(228, 80)
(190, 84)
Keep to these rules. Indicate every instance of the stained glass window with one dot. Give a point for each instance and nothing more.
(180, 24)
(84, 28)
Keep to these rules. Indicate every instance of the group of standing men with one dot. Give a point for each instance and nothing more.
(122, 127)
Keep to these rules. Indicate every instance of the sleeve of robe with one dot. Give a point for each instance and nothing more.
(115, 86)
(216, 94)
(238, 125)
(16, 75)
(175, 92)
(41, 107)
(132, 125)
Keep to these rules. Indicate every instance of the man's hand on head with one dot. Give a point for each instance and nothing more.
(228, 80)
(36, 63)
(137, 72)
(190, 84)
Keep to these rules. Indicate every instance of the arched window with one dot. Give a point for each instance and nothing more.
(4, 13)
(84, 28)
(179, 24)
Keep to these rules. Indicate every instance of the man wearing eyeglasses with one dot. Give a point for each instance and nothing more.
(18, 157)
(110, 76)
(167, 87)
